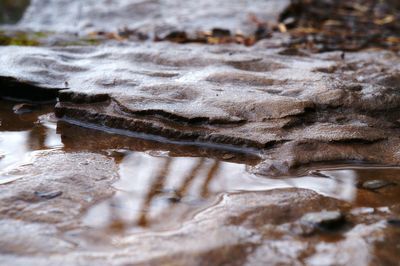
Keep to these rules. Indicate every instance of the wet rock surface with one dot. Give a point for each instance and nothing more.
(247, 228)
(164, 154)
(293, 107)
(56, 187)
(295, 110)
(75, 203)
(324, 220)
(376, 184)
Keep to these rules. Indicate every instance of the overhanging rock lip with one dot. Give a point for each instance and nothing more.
(25, 90)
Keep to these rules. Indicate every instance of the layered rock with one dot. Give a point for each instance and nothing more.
(248, 228)
(293, 110)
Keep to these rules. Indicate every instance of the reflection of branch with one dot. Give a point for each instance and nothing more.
(211, 173)
(37, 138)
(190, 177)
(156, 188)
(117, 222)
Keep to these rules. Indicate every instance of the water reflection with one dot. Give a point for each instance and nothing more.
(21, 135)
(161, 191)
(161, 184)
(351, 182)
(158, 191)
(11, 11)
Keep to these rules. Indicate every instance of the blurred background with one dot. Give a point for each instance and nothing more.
(11, 11)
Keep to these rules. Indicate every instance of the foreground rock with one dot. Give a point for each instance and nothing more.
(46, 210)
(248, 228)
(56, 187)
(287, 106)
(296, 110)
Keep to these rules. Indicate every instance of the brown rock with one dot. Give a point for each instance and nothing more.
(228, 95)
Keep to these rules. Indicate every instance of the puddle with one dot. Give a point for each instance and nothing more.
(21, 135)
(159, 191)
(11, 11)
(161, 185)
(366, 186)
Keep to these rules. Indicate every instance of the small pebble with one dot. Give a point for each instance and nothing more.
(394, 221)
(48, 195)
(173, 196)
(318, 173)
(324, 220)
(174, 199)
(228, 156)
(23, 108)
(375, 184)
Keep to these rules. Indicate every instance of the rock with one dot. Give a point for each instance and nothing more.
(318, 173)
(302, 109)
(228, 156)
(238, 228)
(394, 222)
(324, 220)
(287, 106)
(376, 184)
(148, 16)
(172, 196)
(48, 195)
(61, 190)
(23, 108)
(172, 94)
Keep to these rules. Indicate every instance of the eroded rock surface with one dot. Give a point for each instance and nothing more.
(49, 196)
(56, 187)
(250, 228)
(149, 16)
(295, 109)
(182, 217)
(286, 106)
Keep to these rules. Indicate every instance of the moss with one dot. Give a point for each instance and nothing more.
(20, 39)
(80, 42)
(41, 34)
(41, 38)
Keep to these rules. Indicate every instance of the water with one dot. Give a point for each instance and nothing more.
(22, 135)
(160, 191)
(167, 192)
(161, 185)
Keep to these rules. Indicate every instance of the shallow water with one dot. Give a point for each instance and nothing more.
(161, 185)
(71, 194)
(22, 135)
